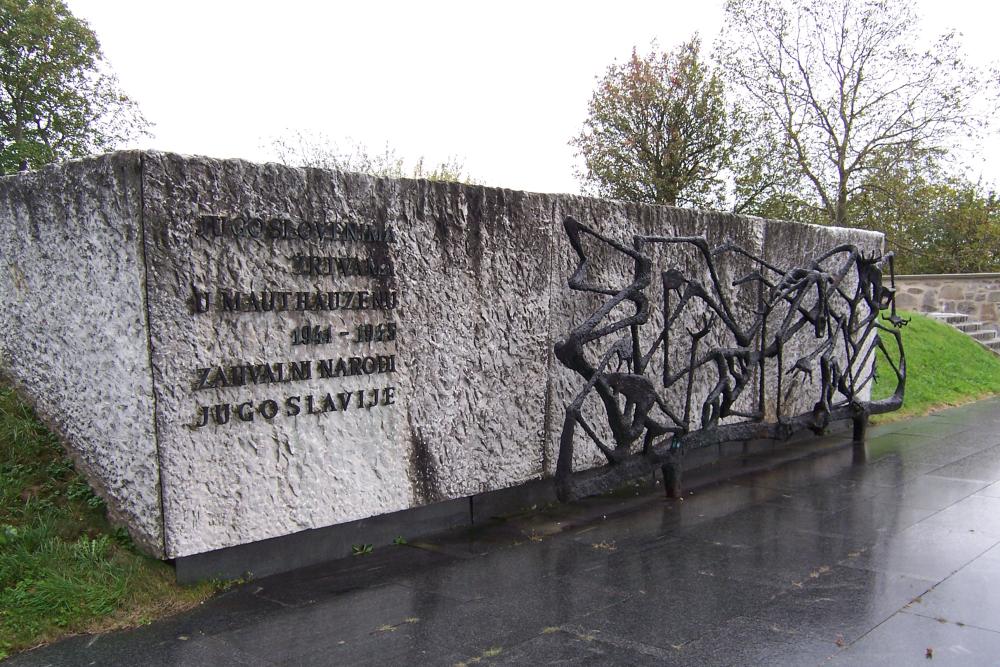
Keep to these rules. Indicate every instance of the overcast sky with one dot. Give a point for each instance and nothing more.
(502, 86)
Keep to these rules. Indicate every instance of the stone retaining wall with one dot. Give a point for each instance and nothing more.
(973, 294)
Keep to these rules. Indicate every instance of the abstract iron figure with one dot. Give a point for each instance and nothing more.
(813, 328)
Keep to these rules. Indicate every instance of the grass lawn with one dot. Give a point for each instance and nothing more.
(943, 366)
(63, 568)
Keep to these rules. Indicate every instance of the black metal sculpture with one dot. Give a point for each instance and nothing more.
(825, 315)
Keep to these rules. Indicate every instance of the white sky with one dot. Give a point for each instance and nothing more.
(502, 85)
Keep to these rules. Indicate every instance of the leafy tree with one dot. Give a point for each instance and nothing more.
(657, 131)
(57, 97)
(936, 223)
(965, 236)
(317, 150)
(841, 82)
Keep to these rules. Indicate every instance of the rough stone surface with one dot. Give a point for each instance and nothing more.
(477, 398)
(471, 271)
(73, 333)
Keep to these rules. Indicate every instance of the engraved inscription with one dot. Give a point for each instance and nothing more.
(341, 267)
(356, 267)
(221, 414)
(218, 227)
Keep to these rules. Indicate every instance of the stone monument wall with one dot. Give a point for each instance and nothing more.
(236, 351)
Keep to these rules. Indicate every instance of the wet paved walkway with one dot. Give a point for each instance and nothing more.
(892, 561)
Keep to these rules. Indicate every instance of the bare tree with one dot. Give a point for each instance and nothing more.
(315, 149)
(843, 83)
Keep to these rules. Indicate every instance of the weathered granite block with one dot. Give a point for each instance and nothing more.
(458, 390)
(236, 351)
(74, 338)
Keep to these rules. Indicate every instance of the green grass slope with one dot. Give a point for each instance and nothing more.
(63, 568)
(943, 367)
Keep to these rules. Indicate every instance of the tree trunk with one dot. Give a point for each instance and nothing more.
(840, 213)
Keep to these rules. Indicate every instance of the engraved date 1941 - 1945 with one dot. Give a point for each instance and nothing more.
(309, 334)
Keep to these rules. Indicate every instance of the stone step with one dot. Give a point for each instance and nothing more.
(992, 343)
(981, 332)
(950, 318)
(969, 327)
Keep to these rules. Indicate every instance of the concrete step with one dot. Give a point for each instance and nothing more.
(983, 335)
